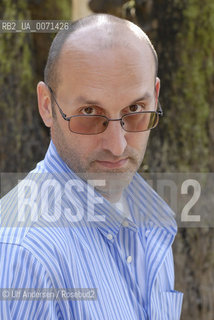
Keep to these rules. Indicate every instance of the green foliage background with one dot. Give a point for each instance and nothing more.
(185, 42)
(183, 34)
(23, 138)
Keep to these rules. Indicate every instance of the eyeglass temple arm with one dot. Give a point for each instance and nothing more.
(160, 110)
(60, 110)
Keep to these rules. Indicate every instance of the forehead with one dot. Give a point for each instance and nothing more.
(105, 65)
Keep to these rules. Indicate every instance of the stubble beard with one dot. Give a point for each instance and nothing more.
(114, 181)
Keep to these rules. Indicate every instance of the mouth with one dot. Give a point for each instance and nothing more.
(113, 164)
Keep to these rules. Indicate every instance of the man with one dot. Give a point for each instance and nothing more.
(83, 218)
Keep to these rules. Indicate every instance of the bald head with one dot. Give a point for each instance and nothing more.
(93, 33)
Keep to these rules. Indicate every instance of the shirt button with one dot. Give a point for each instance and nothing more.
(109, 236)
(125, 223)
(147, 233)
(129, 259)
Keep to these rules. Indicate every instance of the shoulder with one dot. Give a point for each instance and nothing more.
(19, 207)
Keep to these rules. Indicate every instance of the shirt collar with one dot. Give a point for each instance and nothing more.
(108, 218)
(145, 206)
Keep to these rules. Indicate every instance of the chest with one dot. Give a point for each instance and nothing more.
(114, 270)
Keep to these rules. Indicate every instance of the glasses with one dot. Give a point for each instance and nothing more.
(95, 124)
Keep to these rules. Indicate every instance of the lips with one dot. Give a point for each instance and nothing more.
(113, 164)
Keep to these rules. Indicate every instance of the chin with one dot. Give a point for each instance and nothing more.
(115, 183)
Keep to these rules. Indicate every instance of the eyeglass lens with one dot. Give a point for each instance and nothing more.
(136, 122)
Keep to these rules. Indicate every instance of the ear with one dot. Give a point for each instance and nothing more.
(44, 103)
(157, 90)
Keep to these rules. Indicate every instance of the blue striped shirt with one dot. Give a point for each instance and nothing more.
(57, 232)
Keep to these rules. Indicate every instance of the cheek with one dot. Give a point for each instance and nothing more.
(85, 145)
(138, 141)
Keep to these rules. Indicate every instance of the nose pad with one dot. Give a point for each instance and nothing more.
(105, 123)
(122, 123)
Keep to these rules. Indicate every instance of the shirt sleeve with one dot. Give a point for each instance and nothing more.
(19, 269)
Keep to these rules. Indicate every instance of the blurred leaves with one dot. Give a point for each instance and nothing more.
(183, 34)
(23, 139)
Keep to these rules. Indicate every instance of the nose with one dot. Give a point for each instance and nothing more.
(114, 138)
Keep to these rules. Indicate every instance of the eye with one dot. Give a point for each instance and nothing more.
(89, 111)
(136, 108)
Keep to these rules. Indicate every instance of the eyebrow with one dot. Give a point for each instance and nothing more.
(84, 100)
(146, 96)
